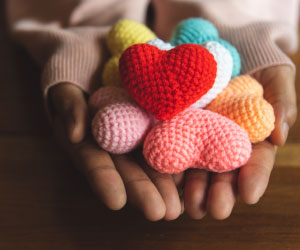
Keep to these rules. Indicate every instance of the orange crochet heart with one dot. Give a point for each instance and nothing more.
(242, 101)
(167, 82)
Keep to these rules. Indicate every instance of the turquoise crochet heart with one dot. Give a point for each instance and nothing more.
(198, 31)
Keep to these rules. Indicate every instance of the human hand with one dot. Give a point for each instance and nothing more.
(216, 193)
(114, 178)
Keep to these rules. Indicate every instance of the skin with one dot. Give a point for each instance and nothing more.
(117, 179)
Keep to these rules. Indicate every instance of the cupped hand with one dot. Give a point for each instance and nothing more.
(216, 193)
(114, 178)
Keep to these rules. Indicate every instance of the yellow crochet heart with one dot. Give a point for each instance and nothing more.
(122, 35)
(242, 101)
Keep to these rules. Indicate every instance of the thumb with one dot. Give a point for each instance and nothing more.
(70, 106)
(279, 90)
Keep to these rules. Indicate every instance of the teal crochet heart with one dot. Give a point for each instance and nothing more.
(198, 31)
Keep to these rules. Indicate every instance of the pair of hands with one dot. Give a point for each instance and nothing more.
(118, 178)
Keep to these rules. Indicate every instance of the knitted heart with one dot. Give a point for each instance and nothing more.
(119, 125)
(167, 82)
(122, 35)
(198, 31)
(160, 44)
(242, 101)
(126, 33)
(197, 138)
(110, 74)
(108, 95)
(194, 30)
(224, 68)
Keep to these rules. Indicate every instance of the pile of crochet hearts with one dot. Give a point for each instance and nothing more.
(184, 100)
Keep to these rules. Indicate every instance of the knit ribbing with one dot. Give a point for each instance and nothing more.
(257, 44)
(261, 43)
(75, 61)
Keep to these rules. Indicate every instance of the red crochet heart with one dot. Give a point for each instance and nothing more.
(167, 82)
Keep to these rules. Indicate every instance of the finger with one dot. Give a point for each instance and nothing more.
(70, 105)
(101, 173)
(178, 179)
(140, 189)
(168, 191)
(222, 194)
(254, 176)
(195, 193)
(279, 90)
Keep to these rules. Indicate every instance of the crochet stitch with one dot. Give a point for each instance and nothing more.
(119, 128)
(126, 33)
(110, 74)
(122, 35)
(119, 125)
(224, 70)
(242, 101)
(160, 44)
(196, 138)
(198, 31)
(237, 63)
(167, 82)
(173, 84)
(107, 95)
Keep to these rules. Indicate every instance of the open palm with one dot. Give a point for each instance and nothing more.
(116, 178)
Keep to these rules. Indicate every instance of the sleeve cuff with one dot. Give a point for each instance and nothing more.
(259, 45)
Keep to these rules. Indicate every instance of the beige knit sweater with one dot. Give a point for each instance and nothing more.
(66, 37)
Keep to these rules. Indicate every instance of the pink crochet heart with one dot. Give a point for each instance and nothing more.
(167, 82)
(108, 95)
(119, 125)
(197, 139)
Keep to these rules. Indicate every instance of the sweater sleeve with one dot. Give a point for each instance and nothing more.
(66, 37)
(262, 31)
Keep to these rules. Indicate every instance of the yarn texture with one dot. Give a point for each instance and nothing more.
(197, 138)
(167, 82)
(242, 101)
(194, 30)
(160, 44)
(156, 94)
(119, 128)
(126, 33)
(224, 70)
(119, 125)
(110, 74)
(107, 95)
(237, 63)
(122, 35)
(198, 31)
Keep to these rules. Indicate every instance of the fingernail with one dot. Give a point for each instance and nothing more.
(285, 131)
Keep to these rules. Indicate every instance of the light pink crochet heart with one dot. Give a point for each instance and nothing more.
(197, 139)
(119, 124)
(108, 95)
